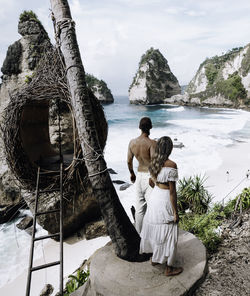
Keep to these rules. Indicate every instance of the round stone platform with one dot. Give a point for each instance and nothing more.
(112, 276)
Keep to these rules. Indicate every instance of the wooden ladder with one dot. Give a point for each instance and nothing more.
(59, 234)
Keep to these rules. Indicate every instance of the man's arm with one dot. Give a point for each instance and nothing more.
(130, 163)
(152, 148)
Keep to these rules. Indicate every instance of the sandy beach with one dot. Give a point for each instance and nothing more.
(235, 161)
(229, 179)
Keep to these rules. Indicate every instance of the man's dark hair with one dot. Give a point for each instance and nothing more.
(145, 124)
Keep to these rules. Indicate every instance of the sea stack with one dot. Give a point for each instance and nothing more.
(154, 81)
(99, 89)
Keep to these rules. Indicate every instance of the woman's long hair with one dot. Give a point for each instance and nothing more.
(163, 149)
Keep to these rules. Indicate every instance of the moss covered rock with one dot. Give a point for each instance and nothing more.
(154, 80)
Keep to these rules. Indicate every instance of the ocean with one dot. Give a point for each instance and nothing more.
(203, 132)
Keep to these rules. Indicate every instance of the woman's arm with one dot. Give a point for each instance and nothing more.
(173, 200)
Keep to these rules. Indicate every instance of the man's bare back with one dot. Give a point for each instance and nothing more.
(142, 148)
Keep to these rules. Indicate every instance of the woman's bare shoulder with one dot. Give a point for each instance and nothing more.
(171, 164)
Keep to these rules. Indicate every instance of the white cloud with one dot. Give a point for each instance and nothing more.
(113, 34)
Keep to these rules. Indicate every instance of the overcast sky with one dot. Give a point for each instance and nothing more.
(113, 34)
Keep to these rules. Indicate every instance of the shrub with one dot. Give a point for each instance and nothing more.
(232, 88)
(28, 15)
(211, 73)
(76, 281)
(204, 227)
(193, 195)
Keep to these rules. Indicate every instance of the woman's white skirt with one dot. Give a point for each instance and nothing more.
(159, 234)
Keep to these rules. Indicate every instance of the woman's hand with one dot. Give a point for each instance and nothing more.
(132, 177)
(176, 218)
(151, 182)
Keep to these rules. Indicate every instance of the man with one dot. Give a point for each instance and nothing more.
(142, 148)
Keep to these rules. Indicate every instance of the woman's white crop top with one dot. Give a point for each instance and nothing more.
(167, 174)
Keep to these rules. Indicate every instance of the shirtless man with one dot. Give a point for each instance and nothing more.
(142, 148)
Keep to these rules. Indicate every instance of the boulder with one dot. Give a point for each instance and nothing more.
(95, 229)
(47, 290)
(118, 181)
(154, 81)
(124, 186)
(25, 223)
(8, 213)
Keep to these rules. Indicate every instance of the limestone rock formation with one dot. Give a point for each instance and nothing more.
(99, 89)
(153, 81)
(21, 59)
(221, 81)
(19, 77)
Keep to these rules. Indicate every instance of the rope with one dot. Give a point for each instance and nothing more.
(98, 173)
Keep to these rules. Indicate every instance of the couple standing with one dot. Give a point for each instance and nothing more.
(158, 228)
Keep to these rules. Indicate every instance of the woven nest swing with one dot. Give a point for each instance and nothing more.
(26, 129)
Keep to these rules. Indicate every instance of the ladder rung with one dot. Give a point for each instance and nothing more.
(44, 266)
(49, 173)
(47, 212)
(46, 236)
(49, 190)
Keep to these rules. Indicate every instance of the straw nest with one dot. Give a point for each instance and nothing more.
(26, 127)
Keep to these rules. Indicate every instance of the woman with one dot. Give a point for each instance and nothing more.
(159, 233)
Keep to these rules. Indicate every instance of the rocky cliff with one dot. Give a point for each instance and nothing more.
(26, 71)
(21, 59)
(99, 89)
(153, 81)
(221, 81)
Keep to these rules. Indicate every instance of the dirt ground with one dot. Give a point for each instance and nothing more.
(229, 268)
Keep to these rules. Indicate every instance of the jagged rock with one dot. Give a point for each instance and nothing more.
(95, 229)
(99, 89)
(47, 290)
(118, 181)
(112, 172)
(21, 59)
(25, 223)
(7, 213)
(124, 186)
(153, 81)
(221, 81)
(29, 230)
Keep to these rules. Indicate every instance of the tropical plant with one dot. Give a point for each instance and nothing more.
(244, 202)
(193, 195)
(76, 281)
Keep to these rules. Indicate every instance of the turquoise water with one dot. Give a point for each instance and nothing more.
(203, 131)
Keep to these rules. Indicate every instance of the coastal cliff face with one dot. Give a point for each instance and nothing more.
(153, 81)
(99, 89)
(21, 59)
(221, 81)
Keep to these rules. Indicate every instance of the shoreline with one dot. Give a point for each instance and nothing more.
(229, 178)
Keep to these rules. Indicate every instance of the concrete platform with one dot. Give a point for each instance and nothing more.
(112, 276)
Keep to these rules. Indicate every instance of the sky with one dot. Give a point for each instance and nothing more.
(113, 34)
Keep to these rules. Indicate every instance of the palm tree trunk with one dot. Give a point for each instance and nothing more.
(122, 233)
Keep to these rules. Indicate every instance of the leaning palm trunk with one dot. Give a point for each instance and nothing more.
(122, 233)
